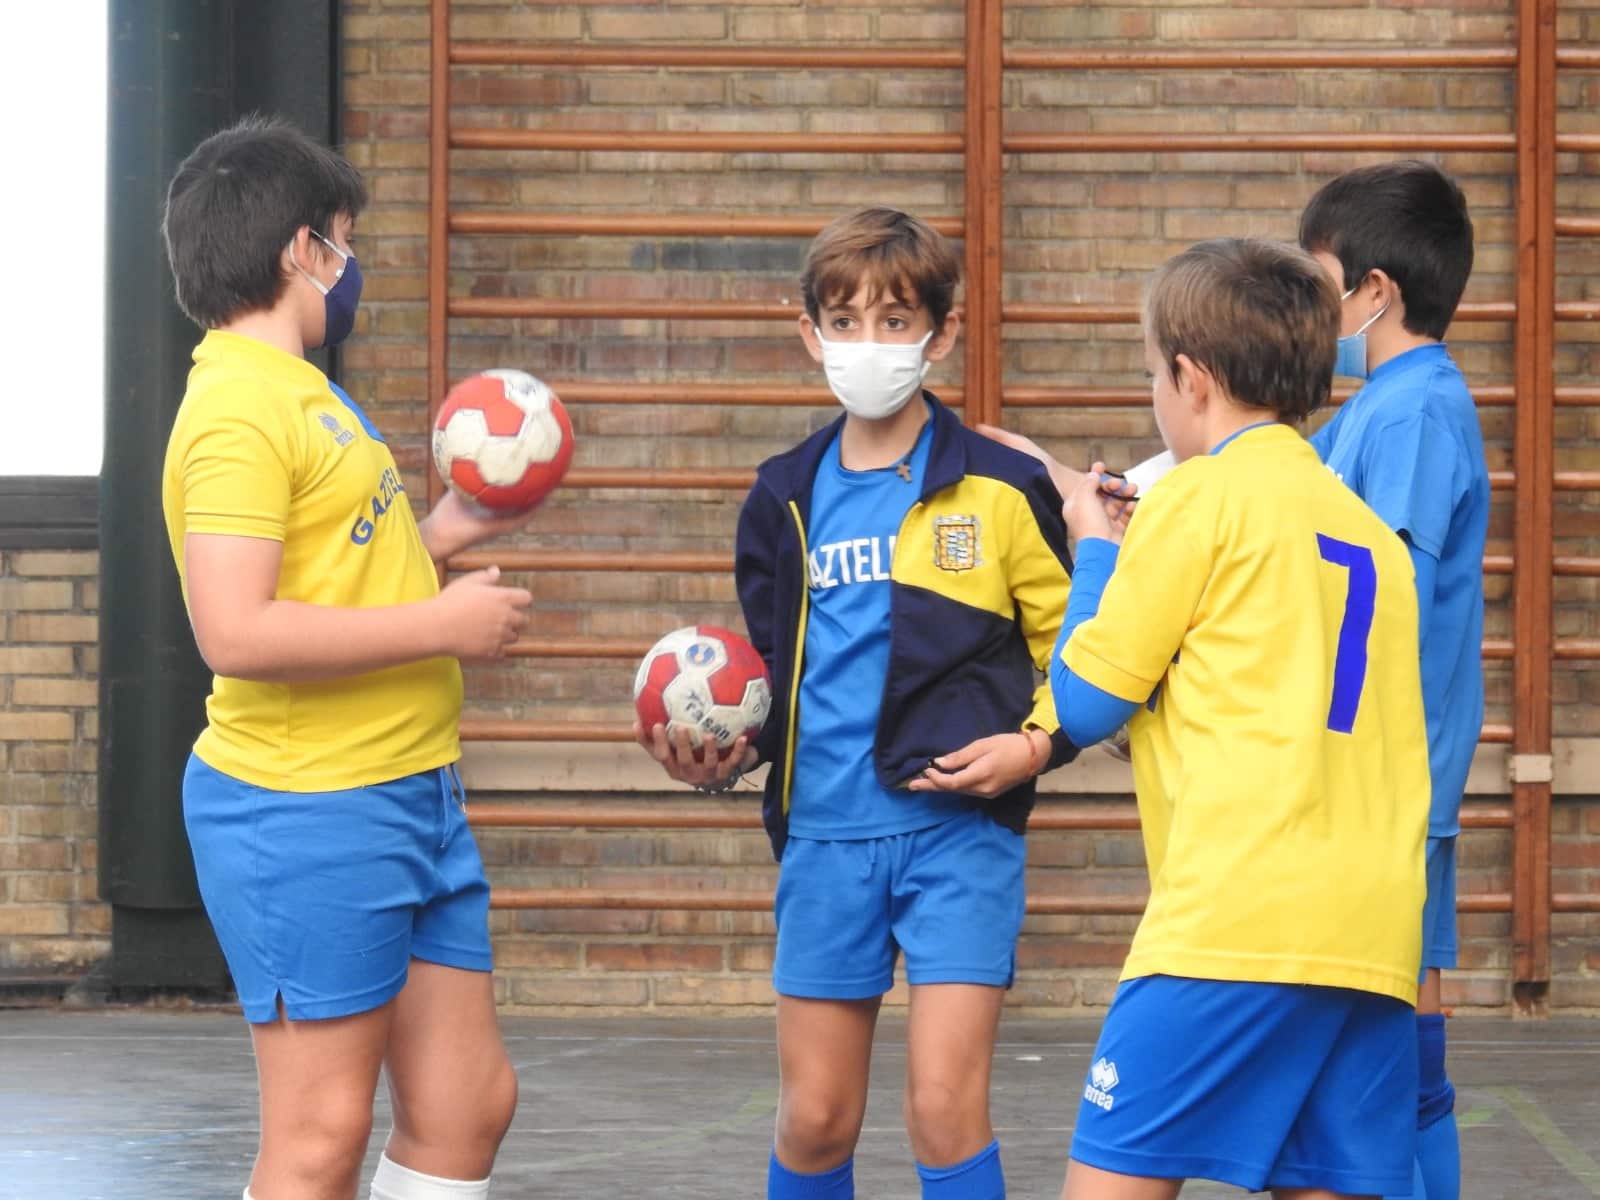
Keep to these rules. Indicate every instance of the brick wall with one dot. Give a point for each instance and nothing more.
(682, 961)
(1077, 228)
(50, 917)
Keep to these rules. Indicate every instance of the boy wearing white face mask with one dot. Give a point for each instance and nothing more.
(331, 847)
(1397, 241)
(904, 578)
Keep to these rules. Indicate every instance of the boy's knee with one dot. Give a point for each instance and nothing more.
(471, 1122)
(941, 1121)
(500, 1104)
(325, 1139)
(816, 1128)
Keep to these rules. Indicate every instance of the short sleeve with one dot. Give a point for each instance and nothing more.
(1409, 479)
(235, 473)
(1150, 601)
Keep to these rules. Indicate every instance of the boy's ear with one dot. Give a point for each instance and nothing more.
(1388, 291)
(944, 340)
(808, 335)
(1195, 384)
(303, 249)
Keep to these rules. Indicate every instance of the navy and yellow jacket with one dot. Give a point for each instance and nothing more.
(978, 587)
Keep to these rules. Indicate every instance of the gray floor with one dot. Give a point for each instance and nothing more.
(138, 1103)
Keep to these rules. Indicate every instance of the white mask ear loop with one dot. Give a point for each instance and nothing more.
(1373, 318)
(344, 259)
(307, 275)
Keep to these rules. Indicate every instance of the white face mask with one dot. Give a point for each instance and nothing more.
(873, 380)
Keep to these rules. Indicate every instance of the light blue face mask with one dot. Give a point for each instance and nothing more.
(1352, 358)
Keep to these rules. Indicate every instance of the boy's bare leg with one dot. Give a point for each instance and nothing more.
(1428, 992)
(453, 1087)
(1314, 1194)
(317, 1081)
(824, 1059)
(1091, 1183)
(949, 1058)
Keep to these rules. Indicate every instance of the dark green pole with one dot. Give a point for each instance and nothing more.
(180, 70)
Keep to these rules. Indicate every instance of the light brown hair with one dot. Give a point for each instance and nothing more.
(888, 251)
(1262, 317)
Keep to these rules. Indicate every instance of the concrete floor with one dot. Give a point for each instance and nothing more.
(130, 1103)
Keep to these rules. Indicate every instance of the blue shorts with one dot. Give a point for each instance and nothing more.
(1439, 910)
(324, 898)
(950, 896)
(1255, 1084)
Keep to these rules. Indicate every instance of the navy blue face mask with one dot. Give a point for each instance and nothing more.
(339, 301)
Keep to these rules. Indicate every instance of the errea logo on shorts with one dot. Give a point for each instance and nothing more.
(1102, 1079)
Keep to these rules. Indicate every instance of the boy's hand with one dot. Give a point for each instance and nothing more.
(455, 525)
(1063, 476)
(1099, 506)
(987, 767)
(676, 755)
(479, 616)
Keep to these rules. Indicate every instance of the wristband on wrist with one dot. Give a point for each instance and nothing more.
(1037, 761)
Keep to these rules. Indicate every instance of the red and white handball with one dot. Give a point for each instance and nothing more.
(502, 440)
(706, 680)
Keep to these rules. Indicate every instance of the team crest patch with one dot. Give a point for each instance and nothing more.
(341, 435)
(956, 544)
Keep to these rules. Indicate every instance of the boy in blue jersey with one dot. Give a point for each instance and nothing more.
(904, 579)
(1397, 241)
(1256, 629)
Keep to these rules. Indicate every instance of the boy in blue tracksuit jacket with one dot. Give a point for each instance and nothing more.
(904, 578)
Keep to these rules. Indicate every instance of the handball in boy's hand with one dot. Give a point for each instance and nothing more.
(706, 680)
(502, 440)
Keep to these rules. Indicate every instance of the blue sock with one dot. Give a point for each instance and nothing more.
(978, 1178)
(1438, 1165)
(784, 1184)
(1438, 1143)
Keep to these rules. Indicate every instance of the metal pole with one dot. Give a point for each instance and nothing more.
(438, 220)
(1534, 459)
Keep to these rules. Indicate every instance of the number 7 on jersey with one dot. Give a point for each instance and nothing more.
(1350, 659)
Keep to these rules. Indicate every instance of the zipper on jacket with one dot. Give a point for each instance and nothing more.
(799, 656)
(883, 699)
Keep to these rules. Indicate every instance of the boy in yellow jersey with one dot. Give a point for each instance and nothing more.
(321, 801)
(1257, 628)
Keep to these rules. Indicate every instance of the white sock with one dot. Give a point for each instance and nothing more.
(391, 1181)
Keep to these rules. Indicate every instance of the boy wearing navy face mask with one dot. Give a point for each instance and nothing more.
(1397, 241)
(903, 578)
(322, 802)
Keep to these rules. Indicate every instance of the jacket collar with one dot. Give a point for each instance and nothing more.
(789, 474)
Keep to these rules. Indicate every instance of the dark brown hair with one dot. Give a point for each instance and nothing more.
(1262, 317)
(236, 202)
(1408, 219)
(888, 251)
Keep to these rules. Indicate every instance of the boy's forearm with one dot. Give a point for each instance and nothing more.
(287, 641)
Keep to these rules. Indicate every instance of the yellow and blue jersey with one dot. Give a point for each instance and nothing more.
(265, 446)
(978, 582)
(1264, 620)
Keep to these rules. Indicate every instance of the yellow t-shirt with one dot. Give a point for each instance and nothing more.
(265, 446)
(1266, 621)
